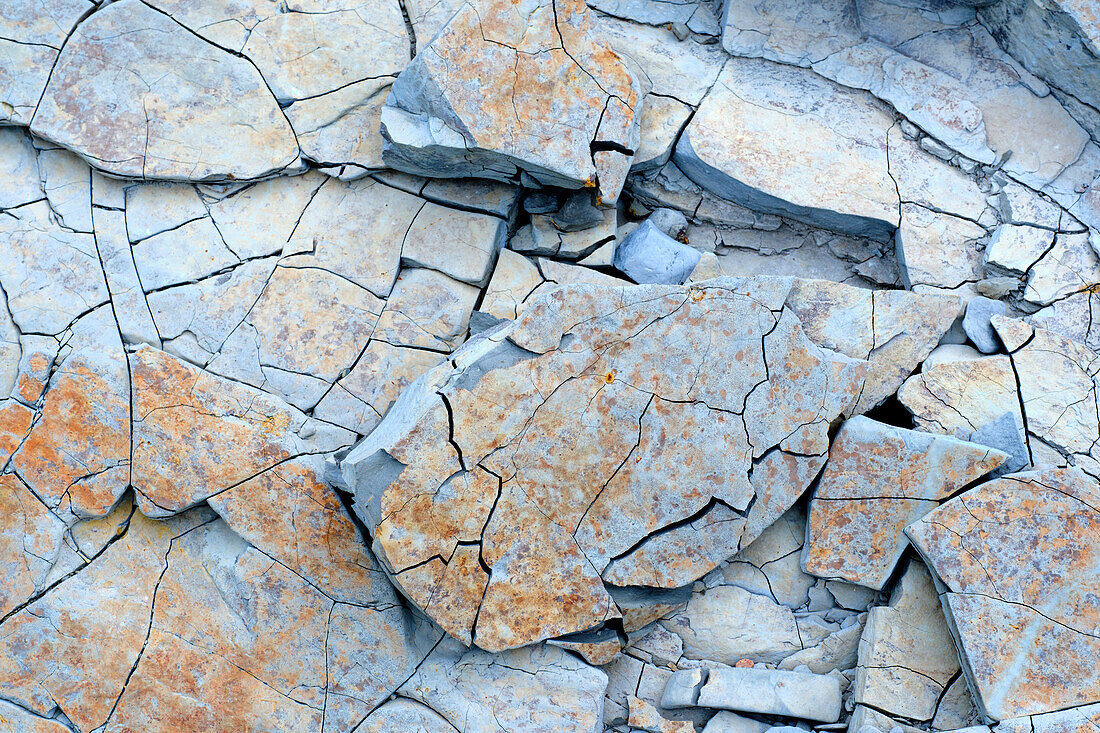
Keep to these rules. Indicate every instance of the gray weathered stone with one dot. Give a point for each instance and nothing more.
(977, 326)
(1006, 435)
(1016, 563)
(506, 507)
(648, 255)
(772, 692)
(183, 130)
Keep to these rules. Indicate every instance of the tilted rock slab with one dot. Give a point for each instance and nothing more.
(509, 87)
(136, 94)
(629, 436)
(785, 141)
(878, 480)
(1017, 561)
(906, 654)
(1058, 41)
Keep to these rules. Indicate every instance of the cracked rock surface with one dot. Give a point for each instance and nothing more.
(540, 366)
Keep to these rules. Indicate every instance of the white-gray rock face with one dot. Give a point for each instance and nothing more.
(1058, 41)
(214, 119)
(785, 141)
(767, 691)
(240, 237)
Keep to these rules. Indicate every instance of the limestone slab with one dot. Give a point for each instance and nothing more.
(231, 432)
(435, 122)
(1017, 560)
(473, 429)
(785, 141)
(216, 120)
(878, 480)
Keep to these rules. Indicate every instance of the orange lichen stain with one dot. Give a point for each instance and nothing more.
(609, 377)
(30, 389)
(276, 424)
(744, 663)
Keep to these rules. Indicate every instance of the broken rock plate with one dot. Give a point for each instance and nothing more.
(610, 436)
(1018, 560)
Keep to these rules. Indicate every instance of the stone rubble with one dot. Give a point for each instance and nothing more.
(675, 366)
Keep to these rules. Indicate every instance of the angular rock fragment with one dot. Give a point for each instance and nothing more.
(130, 306)
(1005, 435)
(648, 255)
(359, 399)
(771, 692)
(1058, 391)
(894, 330)
(76, 646)
(31, 33)
(77, 455)
(906, 656)
(728, 623)
(936, 251)
(597, 648)
(1017, 561)
(277, 651)
(959, 396)
(1069, 266)
(50, 276)
(476, 430)
(67, 183)
(457, 243)
(216, 120)
(785, 141)
(878, 480)
(436, 123)
(976, 323)
(30, 539)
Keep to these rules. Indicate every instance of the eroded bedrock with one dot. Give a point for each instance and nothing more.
(1017, 561)
(607, 437)
(508, 87)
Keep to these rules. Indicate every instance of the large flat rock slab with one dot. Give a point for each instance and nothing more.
(1017, 559)
(878, 480)
(785, 141)
(565, 451)
(508, 87)
(136, 94)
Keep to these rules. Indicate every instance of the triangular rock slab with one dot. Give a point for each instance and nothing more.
(536, 449)
(1018, 560)
(879, 479)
